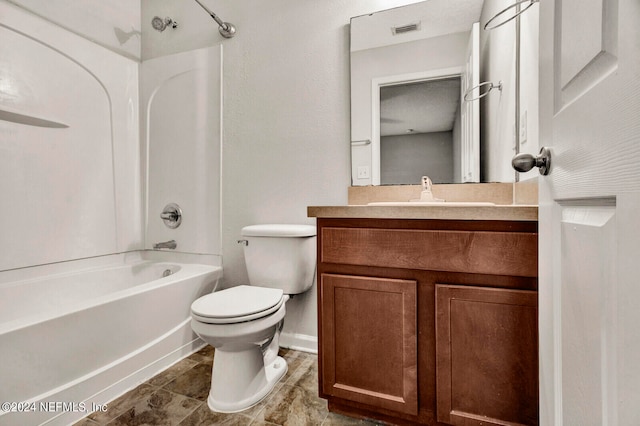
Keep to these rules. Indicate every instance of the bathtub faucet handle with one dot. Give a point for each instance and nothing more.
(171, 215)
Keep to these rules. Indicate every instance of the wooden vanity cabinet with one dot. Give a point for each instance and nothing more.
(429, 321)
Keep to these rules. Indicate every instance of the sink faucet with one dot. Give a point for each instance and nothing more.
(426, 194)
(166, 245)
(426, 183)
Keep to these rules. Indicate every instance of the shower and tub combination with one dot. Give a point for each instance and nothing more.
(95, 289)
(82, 332)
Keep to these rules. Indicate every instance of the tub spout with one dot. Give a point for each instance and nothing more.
(166, 245)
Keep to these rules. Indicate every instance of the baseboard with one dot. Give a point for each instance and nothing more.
(299, 342)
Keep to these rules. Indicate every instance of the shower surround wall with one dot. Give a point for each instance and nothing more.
(72, 161)
(74, 188)
(67, 192)
(181, 133)
(114, 24)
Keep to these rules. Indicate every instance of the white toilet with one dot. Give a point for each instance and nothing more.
(243, 323)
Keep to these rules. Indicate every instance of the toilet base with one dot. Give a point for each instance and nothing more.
(250, 384)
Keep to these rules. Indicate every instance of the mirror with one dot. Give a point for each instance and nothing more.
(419, 126)
(410, 69)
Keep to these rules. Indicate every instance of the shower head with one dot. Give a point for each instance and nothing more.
(160, 24)
(227, 30)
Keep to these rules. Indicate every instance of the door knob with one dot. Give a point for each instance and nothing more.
(526, 162)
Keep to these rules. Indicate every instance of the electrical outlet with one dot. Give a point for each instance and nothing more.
(363, 172)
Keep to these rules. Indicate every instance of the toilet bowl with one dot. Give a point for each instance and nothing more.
(243, 323)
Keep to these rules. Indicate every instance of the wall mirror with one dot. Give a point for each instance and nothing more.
(410, 69)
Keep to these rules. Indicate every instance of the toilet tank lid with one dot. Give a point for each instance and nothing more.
(278, 230)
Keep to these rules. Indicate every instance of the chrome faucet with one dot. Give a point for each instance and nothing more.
(166, 245)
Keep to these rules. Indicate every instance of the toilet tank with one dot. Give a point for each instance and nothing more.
(280, 256)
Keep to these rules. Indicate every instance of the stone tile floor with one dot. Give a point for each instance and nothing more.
(177, 396)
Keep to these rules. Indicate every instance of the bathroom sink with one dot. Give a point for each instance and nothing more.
(433, 203)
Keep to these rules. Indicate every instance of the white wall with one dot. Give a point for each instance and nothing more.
(498, 59)
(457, 148)
(114, 24)
(529, 53)
(286, 111)
(497, 110)
(403, 157)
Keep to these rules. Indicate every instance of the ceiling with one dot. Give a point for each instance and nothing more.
(436, 18)
(426, 107)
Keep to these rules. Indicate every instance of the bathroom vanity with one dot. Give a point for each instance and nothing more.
(428, 315)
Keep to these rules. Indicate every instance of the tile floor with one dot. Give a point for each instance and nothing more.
(177, 396)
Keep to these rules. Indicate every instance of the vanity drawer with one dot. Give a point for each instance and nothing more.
(481, 252)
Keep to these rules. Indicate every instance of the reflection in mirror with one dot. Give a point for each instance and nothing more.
(419, 126)
(392, 53)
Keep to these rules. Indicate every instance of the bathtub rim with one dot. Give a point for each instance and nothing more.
(91, 262)
(62, 269)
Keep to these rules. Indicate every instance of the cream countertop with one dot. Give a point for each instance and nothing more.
(497, 212)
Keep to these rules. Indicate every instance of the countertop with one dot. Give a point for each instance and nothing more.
(497, 212)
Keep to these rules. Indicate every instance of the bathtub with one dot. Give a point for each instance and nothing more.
(75, 335)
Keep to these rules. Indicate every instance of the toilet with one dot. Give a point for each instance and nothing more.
(243, 323)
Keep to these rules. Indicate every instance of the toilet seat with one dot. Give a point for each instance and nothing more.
(237, 304)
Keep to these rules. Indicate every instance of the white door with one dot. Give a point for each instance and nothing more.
(590, 212)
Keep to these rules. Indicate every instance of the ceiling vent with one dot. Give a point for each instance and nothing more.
(402, 29)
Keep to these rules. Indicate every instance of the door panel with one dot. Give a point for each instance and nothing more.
(588, 300)
(585, 56)
(487, 364)
(370, 341)
(589, 233)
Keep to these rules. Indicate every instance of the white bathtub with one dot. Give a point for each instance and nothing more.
(90, 330)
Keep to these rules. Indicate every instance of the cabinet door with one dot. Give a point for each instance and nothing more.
(486, 356)
(369, 341)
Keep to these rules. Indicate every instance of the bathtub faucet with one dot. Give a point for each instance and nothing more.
(166, 245)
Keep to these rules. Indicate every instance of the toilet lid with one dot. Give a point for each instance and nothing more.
(237, 304)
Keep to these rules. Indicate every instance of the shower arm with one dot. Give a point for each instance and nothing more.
(226, 29)
(222, 24)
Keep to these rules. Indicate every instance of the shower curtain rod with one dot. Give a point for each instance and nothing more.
(227, 30)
